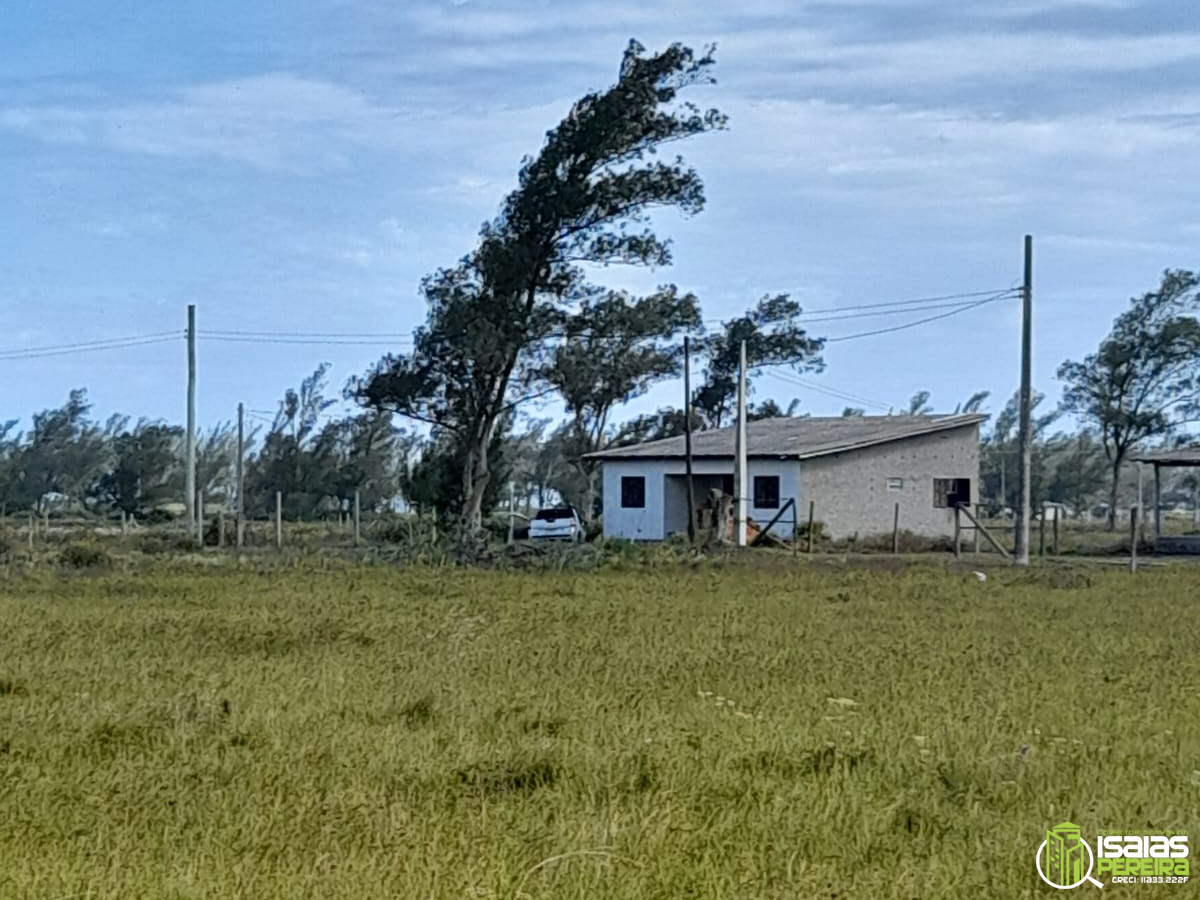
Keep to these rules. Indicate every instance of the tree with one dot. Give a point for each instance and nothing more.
(667, 422)
(1078, 471)
(850, 411)
(358, 455)
(615, 348)
(918, 405)
(1000, 454)
(973, 404)
(146, 467)
(64, 454)
(1144, 381)
(773, 336)
(595, 177)
(285, 462)
(769, 409)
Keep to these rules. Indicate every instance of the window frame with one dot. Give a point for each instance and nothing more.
(766, 479)
(627, 489)
(953, 487)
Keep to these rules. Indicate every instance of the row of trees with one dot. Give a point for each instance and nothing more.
(518, 318)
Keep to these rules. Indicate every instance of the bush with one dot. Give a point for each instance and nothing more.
(84, 556)
(156, 542)
(819, 534)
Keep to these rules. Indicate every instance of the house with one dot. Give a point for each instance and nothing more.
(854, 469)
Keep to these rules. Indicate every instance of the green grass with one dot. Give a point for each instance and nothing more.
(339, 732)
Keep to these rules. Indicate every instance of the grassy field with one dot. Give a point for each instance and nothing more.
(332, 731)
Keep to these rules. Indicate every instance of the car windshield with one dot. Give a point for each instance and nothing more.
(553, 515)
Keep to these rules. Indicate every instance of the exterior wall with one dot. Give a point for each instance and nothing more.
(665, 512)
(850, 490)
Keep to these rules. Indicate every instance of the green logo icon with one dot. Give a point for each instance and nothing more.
(1061, 859)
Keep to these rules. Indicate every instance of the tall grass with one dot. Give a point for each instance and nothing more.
(351, 732)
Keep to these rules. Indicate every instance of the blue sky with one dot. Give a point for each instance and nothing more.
(299, 167)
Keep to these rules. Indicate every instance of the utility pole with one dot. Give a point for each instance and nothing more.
(1025, 427)
(189, 485)
(241, 473)
(740, 499)
(687, 438)
(512, 500)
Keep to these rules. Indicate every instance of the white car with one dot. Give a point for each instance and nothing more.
(560, 523)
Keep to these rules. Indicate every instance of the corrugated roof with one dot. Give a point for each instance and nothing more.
(1184, 456)
(796, 438)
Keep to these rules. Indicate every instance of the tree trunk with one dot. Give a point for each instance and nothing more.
(475, 482)
(1113, 489)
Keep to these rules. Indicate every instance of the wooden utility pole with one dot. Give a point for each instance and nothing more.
(512, 500)
(1133, 539)
(200, 519)
(687, 439)
(189, 486)
(357, 516)
(241, 476)
(1025, 426)
(741, 501)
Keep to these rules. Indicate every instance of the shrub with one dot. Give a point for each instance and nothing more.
(157, 542)
(84, 555)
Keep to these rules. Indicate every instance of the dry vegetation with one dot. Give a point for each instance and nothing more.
(330, 730)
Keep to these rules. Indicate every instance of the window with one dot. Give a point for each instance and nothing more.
(950, 492)
(895, 484)
(633, 492)
(766, 492)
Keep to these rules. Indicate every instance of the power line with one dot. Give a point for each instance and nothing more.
(971, 295)
(308, 334)
(323, 342)
(828, 391)
(90, 346)
(954, 312)
(887, 312)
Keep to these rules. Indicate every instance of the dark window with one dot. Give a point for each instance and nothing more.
(633, 492)
(555, 515)
(766, 492)
(951, 492)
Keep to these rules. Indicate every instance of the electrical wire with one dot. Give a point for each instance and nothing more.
(829, 314)
(954, 312)
(827, 391)
(322, 342)
(91, 346)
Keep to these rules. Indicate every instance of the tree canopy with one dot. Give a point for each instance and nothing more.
(1144, 380)
(584, 199)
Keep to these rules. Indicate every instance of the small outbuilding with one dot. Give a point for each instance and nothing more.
(854, 469)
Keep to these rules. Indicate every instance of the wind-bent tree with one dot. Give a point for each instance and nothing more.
(1000, 453)
(615, 348)
(769, 409)
(850, 411)
(146, 468)
(918, 404)
(773, 336)
(973, 404)
(1079, 469)
(1144, 381)
(64, 453)
(583, 199)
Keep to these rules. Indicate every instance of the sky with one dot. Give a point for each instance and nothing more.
(299, 167)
